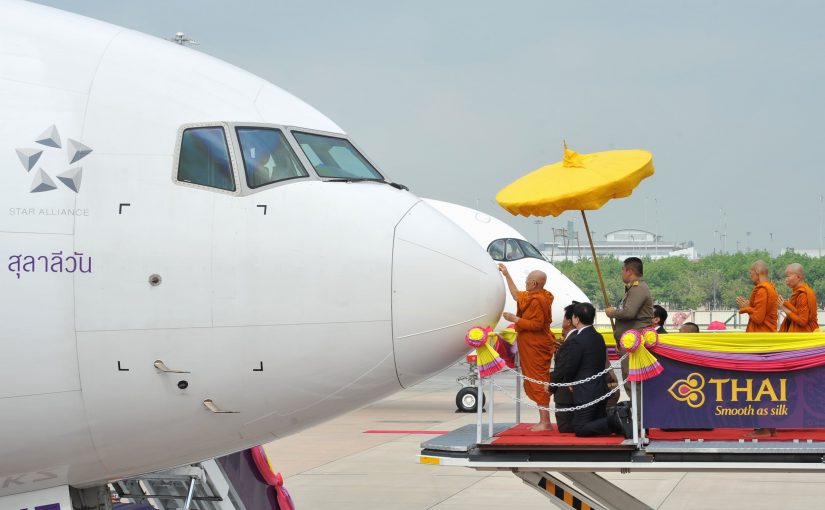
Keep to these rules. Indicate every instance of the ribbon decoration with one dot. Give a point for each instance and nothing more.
(749, 352)
(487, 359)
(643, 365)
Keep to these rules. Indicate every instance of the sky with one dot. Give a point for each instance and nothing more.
(458, 99)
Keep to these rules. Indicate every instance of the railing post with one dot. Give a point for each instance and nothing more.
(642, 412)
(634, 407)
(490, 411)
(479, 406)
(518, 390)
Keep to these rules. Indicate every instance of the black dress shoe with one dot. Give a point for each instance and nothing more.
(625, 422)
(615, 423)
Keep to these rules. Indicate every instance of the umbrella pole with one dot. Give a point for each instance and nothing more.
(596, 262)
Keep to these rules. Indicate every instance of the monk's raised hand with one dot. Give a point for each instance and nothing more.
(503, 269)
(510, 316)
(740, 301)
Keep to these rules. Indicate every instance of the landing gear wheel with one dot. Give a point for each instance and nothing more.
(467, 399)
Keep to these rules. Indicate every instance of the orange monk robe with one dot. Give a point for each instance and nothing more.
(762, 309)
(802, 316)
(536, 343)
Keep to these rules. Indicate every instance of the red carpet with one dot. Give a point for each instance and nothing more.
(424, 432)
(737, 434)
(522, 435)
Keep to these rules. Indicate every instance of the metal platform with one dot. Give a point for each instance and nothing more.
(460, 439)
(460, 448)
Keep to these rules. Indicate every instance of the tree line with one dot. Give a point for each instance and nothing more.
(711, 282)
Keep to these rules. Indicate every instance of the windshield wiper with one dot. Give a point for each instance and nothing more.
(363, 179)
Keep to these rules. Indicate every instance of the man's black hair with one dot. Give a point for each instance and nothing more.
(635, 265)
(585, 312)
(661, 313)
(568, 310)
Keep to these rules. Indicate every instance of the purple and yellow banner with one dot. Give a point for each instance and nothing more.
(693, 396)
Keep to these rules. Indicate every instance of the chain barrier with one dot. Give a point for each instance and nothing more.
(587, 379)
(593, 377)
(532, 404)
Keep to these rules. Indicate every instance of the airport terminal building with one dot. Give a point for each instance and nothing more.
(571, 245)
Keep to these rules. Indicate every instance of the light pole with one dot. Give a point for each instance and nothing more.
(748, 242)
(538, 237)
(656, 227)
(820, 226)
(770, 248)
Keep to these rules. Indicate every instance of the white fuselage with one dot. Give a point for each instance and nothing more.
(288, 304)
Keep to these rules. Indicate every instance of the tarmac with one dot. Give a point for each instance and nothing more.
(339, 465)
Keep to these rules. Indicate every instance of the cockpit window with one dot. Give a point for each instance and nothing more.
(204, 158)
(335, 157)
(530, 250)
(513, 249)
(267, 156)
(496, 249)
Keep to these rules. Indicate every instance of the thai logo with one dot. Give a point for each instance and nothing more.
(50, 139)
(689, 390)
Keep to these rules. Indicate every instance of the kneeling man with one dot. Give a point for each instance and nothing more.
(586, 356)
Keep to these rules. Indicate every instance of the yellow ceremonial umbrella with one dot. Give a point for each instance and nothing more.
(578, 182)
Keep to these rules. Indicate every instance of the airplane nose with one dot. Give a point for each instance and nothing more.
(443, 283)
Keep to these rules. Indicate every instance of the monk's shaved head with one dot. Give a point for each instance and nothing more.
(539, 277)
(689, 327)
(794, 275)
(760, 267)
(796, 269)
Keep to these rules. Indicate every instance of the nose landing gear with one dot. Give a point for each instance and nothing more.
(466, 399)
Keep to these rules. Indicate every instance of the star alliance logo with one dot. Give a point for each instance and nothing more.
(75, 151)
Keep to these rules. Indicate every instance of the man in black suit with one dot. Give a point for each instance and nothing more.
(659, 318)
(563, 395)
(587, 356)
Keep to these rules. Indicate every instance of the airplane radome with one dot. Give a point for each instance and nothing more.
(181, 238)
(507, 246)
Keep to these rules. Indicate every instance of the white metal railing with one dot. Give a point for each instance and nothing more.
(520, 377)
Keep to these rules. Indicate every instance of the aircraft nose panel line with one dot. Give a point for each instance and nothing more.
(266, 325)
(443, 254)
(468, 321)
(392, 275)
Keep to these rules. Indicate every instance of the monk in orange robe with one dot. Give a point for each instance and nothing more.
(800, 309)
(536, 343)
(761, 307)
(763, 313)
